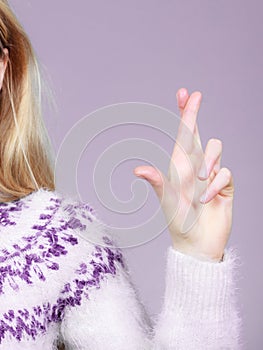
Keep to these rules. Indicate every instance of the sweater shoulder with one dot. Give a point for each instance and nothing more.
(52, 239)
(49, 261)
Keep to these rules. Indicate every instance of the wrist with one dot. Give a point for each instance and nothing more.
(206, 283)
(200, 256)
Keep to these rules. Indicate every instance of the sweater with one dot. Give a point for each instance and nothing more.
(57, 285)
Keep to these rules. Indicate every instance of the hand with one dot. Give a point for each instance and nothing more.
(200, 171)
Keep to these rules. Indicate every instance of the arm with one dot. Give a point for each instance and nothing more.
(104, 310)
(199, 310)
(200, 304)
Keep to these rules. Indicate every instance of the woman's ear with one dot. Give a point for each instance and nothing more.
(3, 65)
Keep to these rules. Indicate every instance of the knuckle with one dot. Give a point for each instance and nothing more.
(216, 189)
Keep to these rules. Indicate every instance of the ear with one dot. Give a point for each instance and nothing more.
(3, 65)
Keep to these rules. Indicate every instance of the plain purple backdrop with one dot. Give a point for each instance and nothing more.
(98, 53)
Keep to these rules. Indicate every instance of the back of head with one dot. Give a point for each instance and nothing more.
(26, 156)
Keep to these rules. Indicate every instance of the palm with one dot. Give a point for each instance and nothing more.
(206, 227)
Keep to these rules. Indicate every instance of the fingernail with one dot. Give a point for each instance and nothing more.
(139, 174)
(203, 198)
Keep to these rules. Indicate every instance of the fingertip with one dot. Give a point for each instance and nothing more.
(198, 94)
(203, 198)
(182, 92)
(138, 173)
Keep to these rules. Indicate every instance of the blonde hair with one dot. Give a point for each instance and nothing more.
(26, 153)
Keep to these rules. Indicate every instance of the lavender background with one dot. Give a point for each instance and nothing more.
(104, 52)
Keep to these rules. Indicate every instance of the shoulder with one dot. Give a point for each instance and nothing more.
(91, 248)
(56, 237)
(63, 215)
(90, 259)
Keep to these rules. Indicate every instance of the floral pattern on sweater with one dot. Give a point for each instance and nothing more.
(38, 251)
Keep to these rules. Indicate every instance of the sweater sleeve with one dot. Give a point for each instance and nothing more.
(104, 310)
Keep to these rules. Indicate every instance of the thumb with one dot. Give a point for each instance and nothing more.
(154, 176)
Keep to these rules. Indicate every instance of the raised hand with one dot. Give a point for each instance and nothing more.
(193, 171)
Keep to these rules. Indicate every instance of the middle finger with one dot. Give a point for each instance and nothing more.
(182, 96)
(187, 128)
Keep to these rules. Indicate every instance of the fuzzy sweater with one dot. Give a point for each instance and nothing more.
(56, 285)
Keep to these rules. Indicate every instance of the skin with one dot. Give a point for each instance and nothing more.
(207, 238)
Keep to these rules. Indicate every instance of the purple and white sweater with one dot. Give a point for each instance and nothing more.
(56, 285)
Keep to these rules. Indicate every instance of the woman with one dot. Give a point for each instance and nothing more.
(59, 290)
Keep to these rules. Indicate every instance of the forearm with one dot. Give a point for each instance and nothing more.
(199, 310)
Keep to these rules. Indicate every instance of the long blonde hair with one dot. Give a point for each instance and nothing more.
(26, 153)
